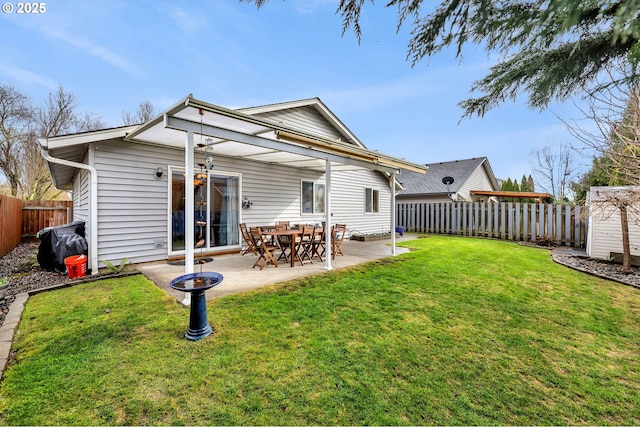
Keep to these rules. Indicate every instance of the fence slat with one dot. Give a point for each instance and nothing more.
(509, 221)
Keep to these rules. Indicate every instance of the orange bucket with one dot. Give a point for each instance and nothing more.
(76, 266)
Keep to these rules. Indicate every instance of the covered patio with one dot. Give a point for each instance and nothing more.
(193, 124)
(240, 277)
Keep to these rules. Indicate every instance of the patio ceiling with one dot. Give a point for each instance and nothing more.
(236, 134)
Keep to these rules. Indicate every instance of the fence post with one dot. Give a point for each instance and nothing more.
(517, 225)
(579, 228)
(507, 220)
(525, 223)
(558, 224)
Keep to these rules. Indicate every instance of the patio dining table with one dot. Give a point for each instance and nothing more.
(293, 233)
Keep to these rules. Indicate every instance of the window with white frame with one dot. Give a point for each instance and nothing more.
(371, 200)
(313, 195)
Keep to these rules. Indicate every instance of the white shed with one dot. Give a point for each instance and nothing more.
(604, 235)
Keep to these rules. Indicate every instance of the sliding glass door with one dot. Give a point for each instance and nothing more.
(217, 209)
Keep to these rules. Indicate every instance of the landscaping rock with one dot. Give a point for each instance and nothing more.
(25, 275)
(601, 268)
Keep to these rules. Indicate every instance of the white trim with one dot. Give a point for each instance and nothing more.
(85, 138)
(315, 184)
(215, 172)
(376, 212)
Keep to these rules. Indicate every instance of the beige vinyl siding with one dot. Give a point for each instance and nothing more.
(307, 119)
(478, 180)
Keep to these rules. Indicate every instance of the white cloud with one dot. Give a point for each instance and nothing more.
(27, 77)
(378, 95)
(188, 23)
(54, 29)
(97, 50)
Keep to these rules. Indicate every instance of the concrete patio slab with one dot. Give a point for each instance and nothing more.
(240, 277)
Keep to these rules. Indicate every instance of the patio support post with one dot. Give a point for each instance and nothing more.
(327, 211)
(189, 209)
(392, 181)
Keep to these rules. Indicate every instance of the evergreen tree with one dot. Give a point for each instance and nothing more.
(550, 49)
(507, 185)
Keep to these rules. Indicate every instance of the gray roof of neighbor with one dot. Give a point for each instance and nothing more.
(431, 182)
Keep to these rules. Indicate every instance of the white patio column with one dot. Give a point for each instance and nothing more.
(189, 209)
(392, 180)
(327, 211)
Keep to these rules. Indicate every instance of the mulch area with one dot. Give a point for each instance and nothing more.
(25, 275)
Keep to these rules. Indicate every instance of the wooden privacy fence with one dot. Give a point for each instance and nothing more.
(562, 225)
(39, 214)
(10, 223)
(24, 218)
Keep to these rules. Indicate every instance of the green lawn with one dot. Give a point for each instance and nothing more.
(459, 332)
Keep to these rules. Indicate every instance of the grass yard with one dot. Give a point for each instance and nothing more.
(459, 332)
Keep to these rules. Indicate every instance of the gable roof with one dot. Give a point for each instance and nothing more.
(280, 110)
(235, 133)
(432, 182)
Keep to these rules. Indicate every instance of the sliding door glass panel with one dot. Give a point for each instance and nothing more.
(177, 210)
(217, 210)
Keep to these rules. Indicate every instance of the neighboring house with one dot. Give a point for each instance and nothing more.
(271, 163)
(462, 177)
(604, 234)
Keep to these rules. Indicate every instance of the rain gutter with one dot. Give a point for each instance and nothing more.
(93, 203)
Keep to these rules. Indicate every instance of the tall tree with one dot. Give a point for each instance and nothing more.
(616, 114)
(615, 132)
(555, 170)
(145, 112)
(507, 185)
(597, 176)
(21, 123)
(549, 48)
(57, 115)
(16, 117)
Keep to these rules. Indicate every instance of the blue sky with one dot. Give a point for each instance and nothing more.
(113, 54)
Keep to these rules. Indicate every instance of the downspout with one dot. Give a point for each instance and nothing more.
(93, 203)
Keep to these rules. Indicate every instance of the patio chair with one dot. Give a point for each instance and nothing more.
(337, 237)
(251, 246)
(283, 242)
(304, 244)
(264, 247)
(318, 246)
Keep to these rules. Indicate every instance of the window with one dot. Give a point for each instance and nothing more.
(371, 200)
(312, 197)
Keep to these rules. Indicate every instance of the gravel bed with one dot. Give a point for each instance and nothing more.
(605, 269)
(25, 275)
